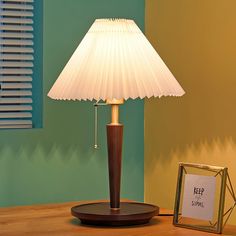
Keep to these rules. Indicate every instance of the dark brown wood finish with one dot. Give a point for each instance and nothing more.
(114, 145)
(100, 213)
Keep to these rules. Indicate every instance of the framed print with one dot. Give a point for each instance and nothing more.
(200, 197)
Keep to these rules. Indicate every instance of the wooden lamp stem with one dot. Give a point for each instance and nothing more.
(114, 144)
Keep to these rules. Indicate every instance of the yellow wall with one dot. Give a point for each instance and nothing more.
(197, 40)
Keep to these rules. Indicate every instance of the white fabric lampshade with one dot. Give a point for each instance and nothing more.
(114, 61)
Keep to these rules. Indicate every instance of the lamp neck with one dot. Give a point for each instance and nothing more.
(115, 109)
(114, 114)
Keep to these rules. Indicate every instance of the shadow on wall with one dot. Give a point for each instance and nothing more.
(64, 131)
(179, 127)
(47, 165)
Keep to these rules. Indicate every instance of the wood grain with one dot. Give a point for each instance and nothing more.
(114, 145)
(56, 219)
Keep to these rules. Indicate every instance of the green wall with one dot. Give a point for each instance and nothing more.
(58, 163)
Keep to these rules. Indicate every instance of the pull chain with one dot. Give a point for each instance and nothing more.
(96, 123)
(95, 126)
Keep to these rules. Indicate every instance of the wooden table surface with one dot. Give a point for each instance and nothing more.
(55, 219)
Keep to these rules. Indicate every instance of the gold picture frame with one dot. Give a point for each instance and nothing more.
(223, 184)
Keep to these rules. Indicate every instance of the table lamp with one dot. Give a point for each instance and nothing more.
(114, 62)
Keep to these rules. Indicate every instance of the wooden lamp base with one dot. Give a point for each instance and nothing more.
(130, 213)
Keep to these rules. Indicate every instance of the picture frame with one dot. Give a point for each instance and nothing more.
(195, 209)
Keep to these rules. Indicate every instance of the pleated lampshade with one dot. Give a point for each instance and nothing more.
(114, 61)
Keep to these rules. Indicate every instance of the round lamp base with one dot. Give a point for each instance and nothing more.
(129, 213)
